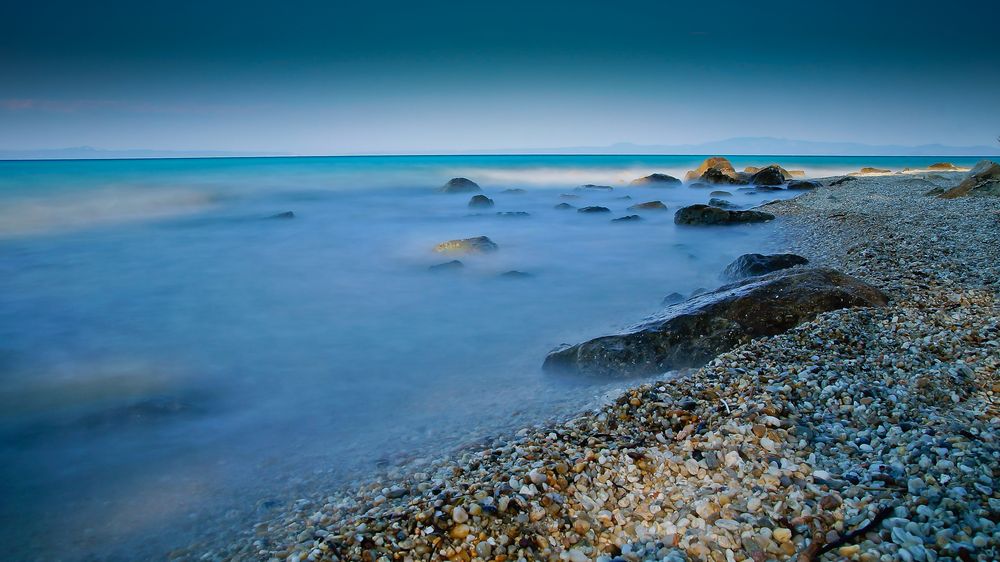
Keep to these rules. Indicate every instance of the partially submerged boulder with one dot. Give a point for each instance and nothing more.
(514, 191)
(715, 176)
(752, 265)
(284, 215)
(592, 187)
(707, 214)
(714, 163)
(460, 185)
(691, 333)
(864, 171)
(722, 203)
(770, 175)
(593, 209)
(672, 298)
(802, 185)
(628, 218)
(656, 180)
(478, 244)
(563, 207)
(984, 179)
(480, 202)
(446, 266)
(649, 206)
(720, 193)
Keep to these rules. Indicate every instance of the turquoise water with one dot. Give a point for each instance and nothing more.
(169, 354)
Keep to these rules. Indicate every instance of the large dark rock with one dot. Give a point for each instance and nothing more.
(942, 166)
(751, 265)
(984, 179)
(802, 185)
(479, 244)
(564, 207)
(649, 206)
(843, 180)
(460, 185)
(722, 203)
(593, 209)
(691, 333)
(656, 180)
(720, 193)
(628, 218)
(707, 214)
(715, 176)
(771, 175)
(480, 202)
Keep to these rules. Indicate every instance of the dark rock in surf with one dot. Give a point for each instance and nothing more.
(480, 202)
(513, 214)
(720, 193)
(649, 206)
(515, 274)
(447, 266)
(629, 218)
(722, 203)
(285, 215)
(802, 185)
(770, 175)
(656, 180)
(672, 298)
(715, 176)
(752, 265)
(594, 209)
(564, 207)
(514, 191)
(569, 196)
(718, 163)
(592, 187)
(699, 185)
(843, 180)
(460, 185)
(708, 215)
(478, 244)
(691, 333)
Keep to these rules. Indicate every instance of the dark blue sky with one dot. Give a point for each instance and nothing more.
(342, 77)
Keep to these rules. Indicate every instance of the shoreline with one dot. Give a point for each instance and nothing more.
(770, 448)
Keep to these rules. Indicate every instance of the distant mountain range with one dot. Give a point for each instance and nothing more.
(767, 146)
(762, 146)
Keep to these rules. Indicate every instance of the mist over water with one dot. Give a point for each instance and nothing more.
(169, 353)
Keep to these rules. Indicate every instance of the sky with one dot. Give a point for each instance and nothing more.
(331, 77)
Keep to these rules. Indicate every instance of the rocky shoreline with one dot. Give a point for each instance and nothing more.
(865, 434)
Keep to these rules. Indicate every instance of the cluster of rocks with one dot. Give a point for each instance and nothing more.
(863, 434)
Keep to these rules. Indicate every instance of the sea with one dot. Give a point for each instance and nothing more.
(179, 359)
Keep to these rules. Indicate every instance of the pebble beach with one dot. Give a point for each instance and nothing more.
(866, 434)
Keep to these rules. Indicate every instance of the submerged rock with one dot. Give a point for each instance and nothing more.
(569, 196)
(707, 214)
(751, 265)
(514, 274)
(478, 244)
(629, 218)
(514, 191)
(656, 180)
(984, 179)
(720, 193)
(460, 185)
(285, 215)
(770, 175)
(649, 206)
(672, 298)
(447, 266)
(699, 185)
(510, 214)
(592, 187)
(722, 203)
(691, 333)
(564, 207)
(594, 209)
(801, 185)
(480, 202)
